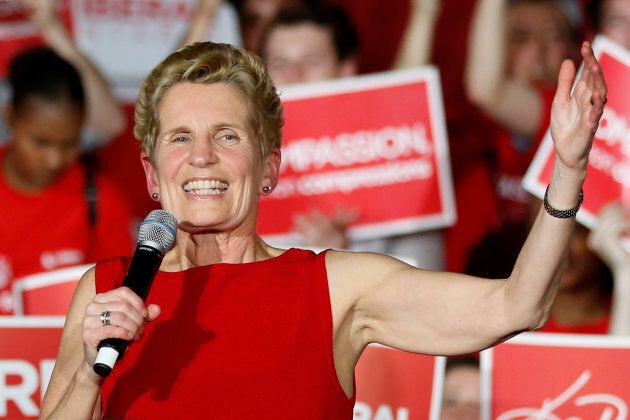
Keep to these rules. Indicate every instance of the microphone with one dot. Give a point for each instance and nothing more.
(156, 235)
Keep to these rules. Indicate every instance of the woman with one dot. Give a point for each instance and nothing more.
(239, 329)
(57, 211)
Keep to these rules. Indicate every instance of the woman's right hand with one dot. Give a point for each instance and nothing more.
(127, 313)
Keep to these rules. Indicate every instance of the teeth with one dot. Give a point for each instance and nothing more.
(206, 187)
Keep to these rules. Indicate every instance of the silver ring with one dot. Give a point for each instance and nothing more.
(105, 318)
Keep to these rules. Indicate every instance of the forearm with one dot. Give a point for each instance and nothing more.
(530, 289)
(81, 400)
(201, 22)
(105, 115)
(416, 46)
(485, 62)
(620, 311)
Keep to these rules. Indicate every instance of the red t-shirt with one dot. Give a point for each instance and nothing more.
(50, 229)
(513, 158)
(233, 341)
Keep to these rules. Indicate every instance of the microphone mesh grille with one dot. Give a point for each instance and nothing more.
(158, 227)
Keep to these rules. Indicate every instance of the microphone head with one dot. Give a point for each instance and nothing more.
(158, 230)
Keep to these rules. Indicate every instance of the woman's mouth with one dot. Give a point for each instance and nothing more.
(205, 187)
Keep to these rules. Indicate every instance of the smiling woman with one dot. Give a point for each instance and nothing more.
(240, 329)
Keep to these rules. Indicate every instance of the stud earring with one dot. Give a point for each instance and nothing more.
(155, 196)
(266, 189)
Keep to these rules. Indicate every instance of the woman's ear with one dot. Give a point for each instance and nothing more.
(272, 169)
(150, 174)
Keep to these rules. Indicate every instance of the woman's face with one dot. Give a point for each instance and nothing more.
(538, 40)
(209, 169)
(256, 16)
(46, 141)
(615, 21)
(301, 53)
(462, 393)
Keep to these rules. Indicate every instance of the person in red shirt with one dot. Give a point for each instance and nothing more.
(56, 212)
(515, 51)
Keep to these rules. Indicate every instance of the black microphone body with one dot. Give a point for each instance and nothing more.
(144, 265)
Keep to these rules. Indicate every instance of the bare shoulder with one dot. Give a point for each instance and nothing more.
(363, 266)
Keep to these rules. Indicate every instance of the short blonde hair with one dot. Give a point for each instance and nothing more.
(207, 63)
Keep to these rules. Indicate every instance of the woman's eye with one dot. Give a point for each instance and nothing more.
(229, 137)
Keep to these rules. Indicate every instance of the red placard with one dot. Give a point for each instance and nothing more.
(27, 356)
(375, 143)
(47, 293)
(609, 163)
(397, 385)
(558, 376)
(18, 32)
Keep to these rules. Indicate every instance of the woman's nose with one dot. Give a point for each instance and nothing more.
(203, 153)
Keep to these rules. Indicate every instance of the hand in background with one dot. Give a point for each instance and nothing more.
(606, 241)
(105, 115)
(606, 237)
(319, 230)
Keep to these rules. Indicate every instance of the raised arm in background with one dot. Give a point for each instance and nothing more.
(416, 45)
(105, 115)
(201, 21)
(606, 239)
(512, 47)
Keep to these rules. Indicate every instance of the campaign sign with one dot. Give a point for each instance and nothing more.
(18, 32)
(608, 177)
(47, 293)
(27, 357)
(127, 38)
(557, 376)
(397, 385)
(375, 144)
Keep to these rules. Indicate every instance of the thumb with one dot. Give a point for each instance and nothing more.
(154, 311)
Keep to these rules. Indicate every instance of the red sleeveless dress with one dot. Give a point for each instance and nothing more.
(234, 341)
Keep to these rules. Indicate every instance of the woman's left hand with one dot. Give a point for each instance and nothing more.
(575, 114)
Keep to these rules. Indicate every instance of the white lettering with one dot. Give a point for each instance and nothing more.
(614, 130)
(362, 147)
(19, 393)
(362, 411)
(612, 404)
(384, 412)
(136, 9)
(51, 260)
(601, 160)
(17, 30)
(621, 173)
(348, 180)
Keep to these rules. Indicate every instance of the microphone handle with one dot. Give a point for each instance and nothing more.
(144, 266)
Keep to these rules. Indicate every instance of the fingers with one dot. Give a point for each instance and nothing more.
(125, 312)
(566, 76)
(593, 76)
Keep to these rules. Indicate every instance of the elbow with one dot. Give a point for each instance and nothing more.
(482, 98)
(530, 320)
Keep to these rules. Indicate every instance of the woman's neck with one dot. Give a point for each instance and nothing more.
(193, 250)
